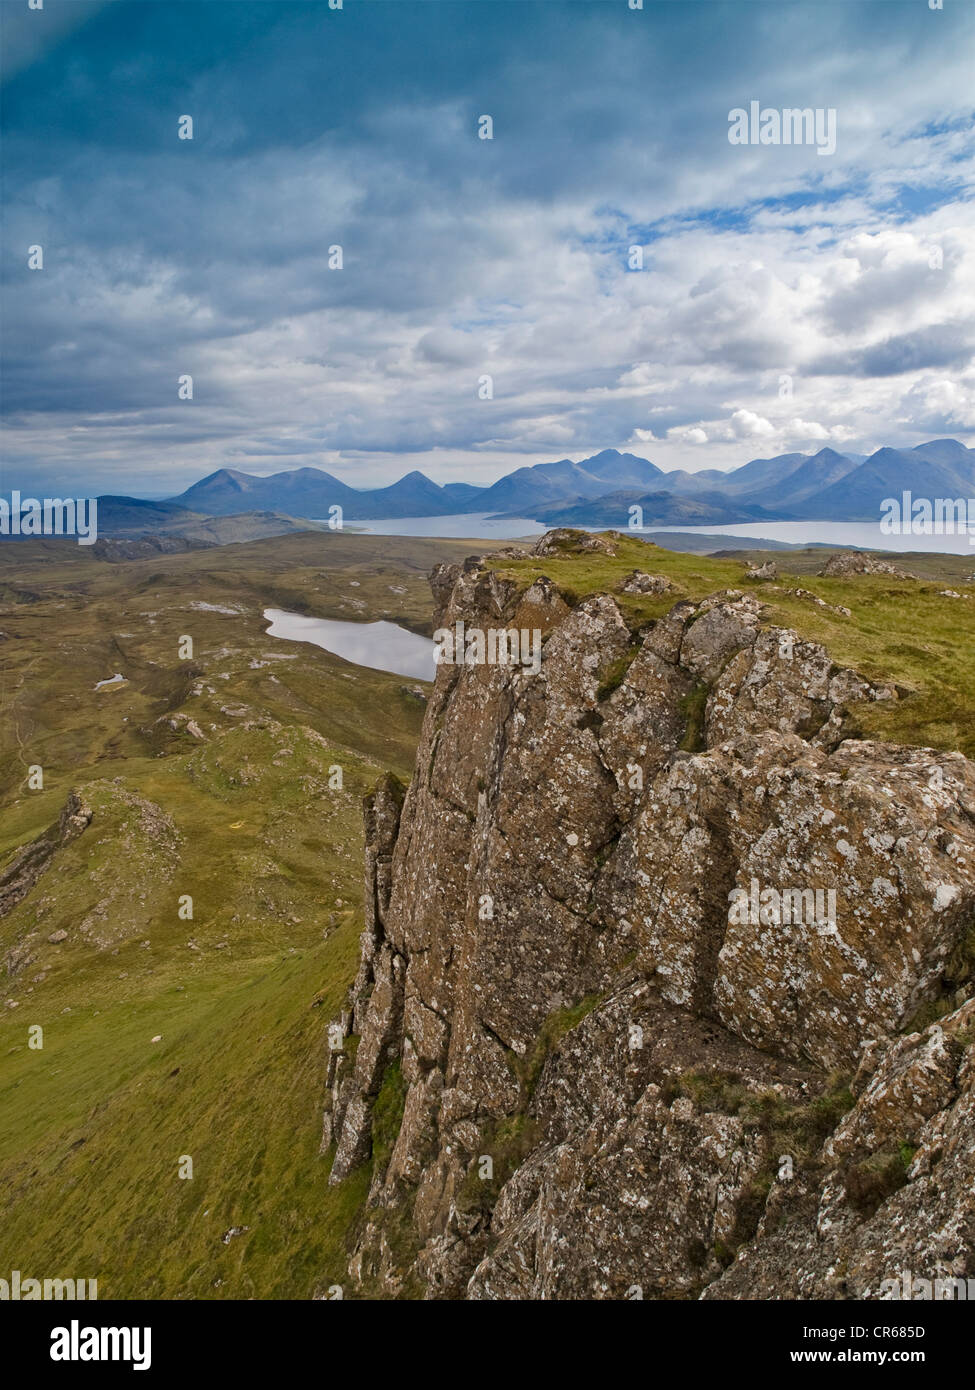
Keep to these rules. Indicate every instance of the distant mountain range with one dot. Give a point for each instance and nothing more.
(827, 486)
(597, 491)
(310, 492)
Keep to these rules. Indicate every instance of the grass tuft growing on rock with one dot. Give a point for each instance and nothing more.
(387, 1114)
(615, 674)
(693, 707)
(789, 1129)
(507, 1143)
(529, 1067)
(872, 1181)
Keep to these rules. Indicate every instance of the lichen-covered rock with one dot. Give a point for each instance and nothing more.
(567, 540)
(716, 632)
(847, 562)
(893, 1201)
(641, 583)
(630, 919)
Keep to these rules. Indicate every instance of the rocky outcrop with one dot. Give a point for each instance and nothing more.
(567, 540)
(847, 562)
(18, 877)
(376, 994)
(635, 924)
(640, 583)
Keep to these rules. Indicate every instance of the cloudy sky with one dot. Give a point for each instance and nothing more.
(852, 275)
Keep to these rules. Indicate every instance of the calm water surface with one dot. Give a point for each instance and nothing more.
(857, 535)
(383, 646)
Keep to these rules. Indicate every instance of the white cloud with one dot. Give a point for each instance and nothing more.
(807, 429)
(745, 424)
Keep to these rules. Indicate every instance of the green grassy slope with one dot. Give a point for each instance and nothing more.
(243, 816)
(98, 1122)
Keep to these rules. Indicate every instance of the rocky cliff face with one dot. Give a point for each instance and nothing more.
(643, 941)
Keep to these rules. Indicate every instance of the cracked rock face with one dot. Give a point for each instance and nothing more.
(632, 924)
(843, 1233)
(19, 876)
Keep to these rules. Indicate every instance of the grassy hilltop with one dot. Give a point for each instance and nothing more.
(211, 777)
(901, 630)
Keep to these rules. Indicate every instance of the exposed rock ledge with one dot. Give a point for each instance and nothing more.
(18, 877)
(550, 977)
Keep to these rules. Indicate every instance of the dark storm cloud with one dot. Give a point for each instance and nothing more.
(944, 346)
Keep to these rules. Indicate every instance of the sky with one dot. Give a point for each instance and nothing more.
(787, 299)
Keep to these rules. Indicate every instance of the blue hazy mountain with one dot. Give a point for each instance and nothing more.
(299, 491)
(757, 476)
(310, 492)
(828, 486)
(942, 468)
